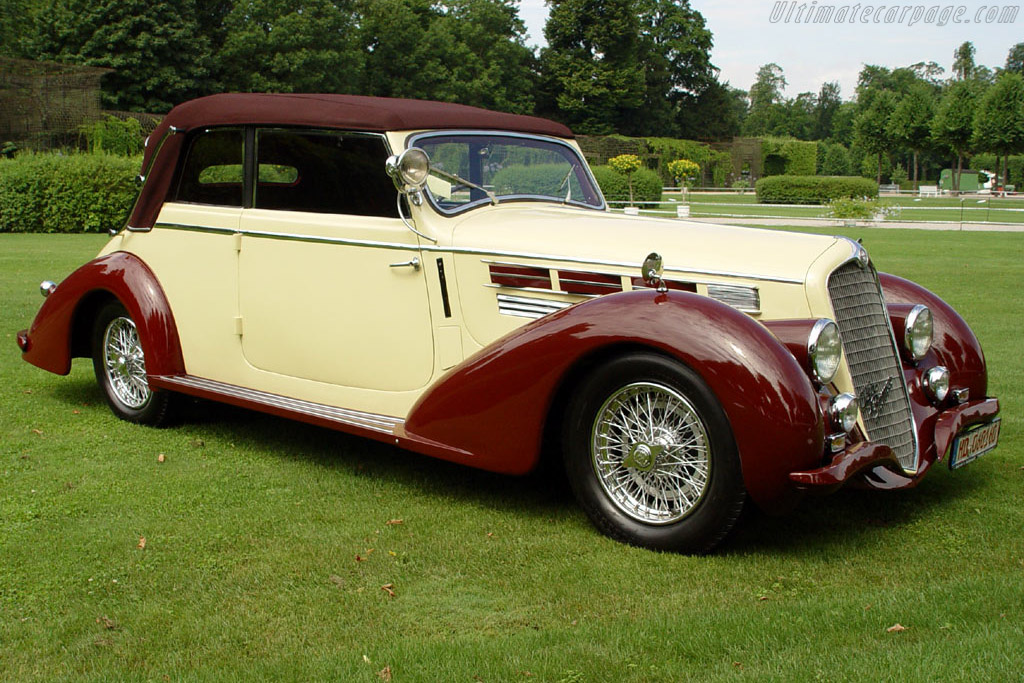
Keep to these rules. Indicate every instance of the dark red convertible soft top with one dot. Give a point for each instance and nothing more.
(348, 112)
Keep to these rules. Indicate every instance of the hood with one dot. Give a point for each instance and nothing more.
(616, 240)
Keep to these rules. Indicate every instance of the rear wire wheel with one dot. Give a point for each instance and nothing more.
(651, 457)
(120, 366)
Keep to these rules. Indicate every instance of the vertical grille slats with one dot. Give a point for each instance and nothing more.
(874, 360)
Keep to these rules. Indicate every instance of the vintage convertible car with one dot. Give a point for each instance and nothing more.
(494, 312)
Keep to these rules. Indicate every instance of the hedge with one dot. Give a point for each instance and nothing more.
(798, 157)
(66, 193)
(812, 189)
(615, 187)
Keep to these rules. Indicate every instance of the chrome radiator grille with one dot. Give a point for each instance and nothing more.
(874, 361)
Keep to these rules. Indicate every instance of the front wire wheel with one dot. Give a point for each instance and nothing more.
(651, 457)
(120, 366)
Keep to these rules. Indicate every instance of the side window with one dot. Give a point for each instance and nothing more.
(323, 172)
(212, 170)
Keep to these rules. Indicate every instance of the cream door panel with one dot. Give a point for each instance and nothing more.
(319, 299)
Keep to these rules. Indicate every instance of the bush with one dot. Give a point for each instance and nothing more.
(860, 208)
(787, 156)
(114, 136)
(66, 193)
(812, 189)
(615, 187)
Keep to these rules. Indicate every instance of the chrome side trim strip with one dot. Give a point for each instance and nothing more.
(632, 265)
(528, 307)
(378, 423)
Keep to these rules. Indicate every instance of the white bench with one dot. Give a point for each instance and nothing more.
(928, 191)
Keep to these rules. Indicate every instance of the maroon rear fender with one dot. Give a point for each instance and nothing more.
(495, 404)
(62, 328)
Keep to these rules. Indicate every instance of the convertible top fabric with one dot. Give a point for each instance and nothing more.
(347, 112)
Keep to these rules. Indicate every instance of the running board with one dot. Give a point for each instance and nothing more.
(315, 413)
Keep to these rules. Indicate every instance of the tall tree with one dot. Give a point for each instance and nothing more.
(963, 61)
(714, 114)
(284, 46)
(592, 77)
(953, 125)
(675, 51)
(910, 123)
(159, 55)
(1015, 59)
(829, 99)
(999, 119)
(765, 94)
(871, 127)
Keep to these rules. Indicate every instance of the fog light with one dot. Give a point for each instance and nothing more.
(936, 383)
(843, 411)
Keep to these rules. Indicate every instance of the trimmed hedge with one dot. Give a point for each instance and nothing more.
(787, 189)
(66, 193)
(615, 187)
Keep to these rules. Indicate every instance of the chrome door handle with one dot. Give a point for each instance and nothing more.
(415, 264)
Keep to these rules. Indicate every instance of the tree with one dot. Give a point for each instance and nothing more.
(871, 127)
(1015, 59)
(827, 105)
(910, 123)
(591, 75)
(953, 125)
(712, 115)
(765, 94)
(963, 61)
(283, 46)
(159, 55)
(999, 119)
(674, 48)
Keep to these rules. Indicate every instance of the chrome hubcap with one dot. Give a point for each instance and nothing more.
(126, 367)
(650, 452)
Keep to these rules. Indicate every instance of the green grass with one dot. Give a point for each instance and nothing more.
(253, 526)
(910, 208)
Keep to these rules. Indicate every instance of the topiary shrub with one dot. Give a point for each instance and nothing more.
(812, 189)
(646, 185)
(66, 193)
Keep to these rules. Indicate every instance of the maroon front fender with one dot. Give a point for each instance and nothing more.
(492, 408)
(954, 345)
(61, 328)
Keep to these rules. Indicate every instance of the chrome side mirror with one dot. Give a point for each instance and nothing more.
(651, 272)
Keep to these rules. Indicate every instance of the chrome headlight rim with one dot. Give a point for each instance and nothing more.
(824, 350)
(918, 331)
(409, 169)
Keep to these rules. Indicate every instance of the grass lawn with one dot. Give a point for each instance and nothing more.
(909, 208)
(268, 544)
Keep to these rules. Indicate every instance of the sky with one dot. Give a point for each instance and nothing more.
(750, 33)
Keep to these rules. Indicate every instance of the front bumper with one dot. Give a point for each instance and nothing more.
(874, 465)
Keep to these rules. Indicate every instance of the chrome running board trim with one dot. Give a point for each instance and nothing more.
(378, 423)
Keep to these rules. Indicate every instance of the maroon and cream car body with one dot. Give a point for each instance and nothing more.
(450, 280)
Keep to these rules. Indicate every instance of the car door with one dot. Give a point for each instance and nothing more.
(330, 288)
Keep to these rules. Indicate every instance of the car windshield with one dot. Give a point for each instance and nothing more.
(512, 167)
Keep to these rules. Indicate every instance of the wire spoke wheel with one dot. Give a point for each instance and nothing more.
(650, 454)
(125, 364)
(649, 450)
(119, 362)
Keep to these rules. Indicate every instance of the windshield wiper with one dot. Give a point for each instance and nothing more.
(454, 178)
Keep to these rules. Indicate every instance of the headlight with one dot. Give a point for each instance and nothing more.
(411, 168)
(824, 349)
(843, 412)
(917, 332)
(936, 383)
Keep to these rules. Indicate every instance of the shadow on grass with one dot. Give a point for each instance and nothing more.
(827, 523)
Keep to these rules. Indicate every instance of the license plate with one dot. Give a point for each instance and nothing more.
(970, 445)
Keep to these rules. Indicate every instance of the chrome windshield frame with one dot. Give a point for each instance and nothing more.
(415, 139)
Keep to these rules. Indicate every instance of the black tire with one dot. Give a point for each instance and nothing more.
(670, 476)
(120, 366)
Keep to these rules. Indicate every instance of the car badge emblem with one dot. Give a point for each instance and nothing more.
(872, 398)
